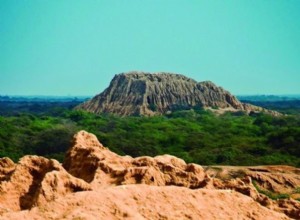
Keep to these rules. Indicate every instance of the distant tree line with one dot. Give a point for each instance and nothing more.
(195, 135)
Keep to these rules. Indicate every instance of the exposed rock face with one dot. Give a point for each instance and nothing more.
(138, 93)
(95, 183)
(36, 180)
(6, 167)
(278, 181)
(95, 164)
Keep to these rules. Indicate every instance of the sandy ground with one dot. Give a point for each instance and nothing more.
(95, 183)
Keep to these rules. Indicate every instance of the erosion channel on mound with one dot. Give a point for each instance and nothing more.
(95, 183)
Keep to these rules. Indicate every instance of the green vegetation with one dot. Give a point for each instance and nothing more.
(196, 136)
(297, 190)
(271, 195)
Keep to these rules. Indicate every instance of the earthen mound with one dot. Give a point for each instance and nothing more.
(275, 187)
(92, 162)
(140, 93)
(35, 181)
(138, 202)
(95, 183)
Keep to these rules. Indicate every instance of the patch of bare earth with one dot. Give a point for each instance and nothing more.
(95, 183)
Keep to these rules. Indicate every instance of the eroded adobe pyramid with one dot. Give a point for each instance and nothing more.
(139, 93)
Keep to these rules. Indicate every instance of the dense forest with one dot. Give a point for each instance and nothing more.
(195, 135)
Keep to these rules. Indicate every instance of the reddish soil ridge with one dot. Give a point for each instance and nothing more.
(95, 183)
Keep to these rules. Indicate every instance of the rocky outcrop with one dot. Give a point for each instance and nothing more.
(35, 181)
(95, 183)
(275, 187)
(7, 166)
(138, 93)
(90, 161)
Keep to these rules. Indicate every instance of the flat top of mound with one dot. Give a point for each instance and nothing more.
(155, 76)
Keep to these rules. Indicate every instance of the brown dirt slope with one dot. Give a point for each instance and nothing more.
(95, 183)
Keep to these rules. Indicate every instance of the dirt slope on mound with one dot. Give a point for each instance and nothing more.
(95, 183)
(150, 202)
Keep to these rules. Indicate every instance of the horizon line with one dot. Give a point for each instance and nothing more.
(70, 95)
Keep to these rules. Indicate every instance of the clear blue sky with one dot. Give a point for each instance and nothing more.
(74, 47)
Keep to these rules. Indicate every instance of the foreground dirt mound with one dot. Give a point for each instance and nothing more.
(35, 181)
(276, 179)
(275, 187)
(151, 202)
(95, 183)
(90, 161)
